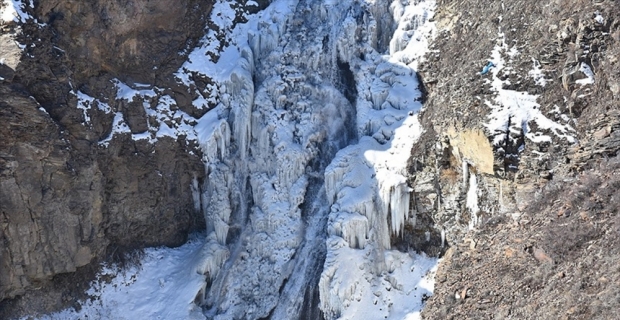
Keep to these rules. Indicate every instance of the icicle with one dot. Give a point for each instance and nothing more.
(254, 43)
(395, 199)
(297, 192)
(241, 90)
(443, 237)
(333, 177)
(501, 196)
(196, 194)
(399, 207)
(247, 56)
(292, 164)
(379, 91)
(216, 200)
(472, 201)
(214, 142)
(211, 258)
(439, 201)
(352, 227)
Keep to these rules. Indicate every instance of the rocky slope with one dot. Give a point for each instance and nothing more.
(518, 165)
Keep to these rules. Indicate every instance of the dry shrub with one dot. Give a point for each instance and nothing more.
(125, 257)
(449, 175)
(567, 241)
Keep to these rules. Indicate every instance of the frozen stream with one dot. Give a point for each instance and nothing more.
(305, 155)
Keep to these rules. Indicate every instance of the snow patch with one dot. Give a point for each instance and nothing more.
(514, 110)
(163, 286)
(585, 69)
(537, 73)
(14, 10)
(164, 118)
(125, 92)
(599, 18)
(118, 126)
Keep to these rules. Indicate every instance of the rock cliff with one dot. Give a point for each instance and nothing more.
(67, 200)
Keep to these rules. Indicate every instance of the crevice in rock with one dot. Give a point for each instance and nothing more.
(347, 81)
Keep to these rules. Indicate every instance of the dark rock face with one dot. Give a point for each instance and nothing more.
(67, 201)
(148, 195)
(124, 37)
(51, 205)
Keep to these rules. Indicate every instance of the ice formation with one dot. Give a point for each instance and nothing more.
(292, 99)
(305, 156)
(472, 201)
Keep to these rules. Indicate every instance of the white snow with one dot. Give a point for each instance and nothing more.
(599, 18)
(83, 104)
(164, 286)
(538, 74)
(223, 14)
(118, 126)
(123, 91)
(585, 69)
(13, 10)
(514, 110)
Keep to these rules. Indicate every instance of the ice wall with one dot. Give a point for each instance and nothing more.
(296, 83)
(365, 183)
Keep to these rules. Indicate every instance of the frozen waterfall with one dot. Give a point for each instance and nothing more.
(317, 107)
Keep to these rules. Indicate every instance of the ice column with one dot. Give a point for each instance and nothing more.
(472, 201)
(214, 142)
(216, 201)
(196, 194)
(240, 87)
